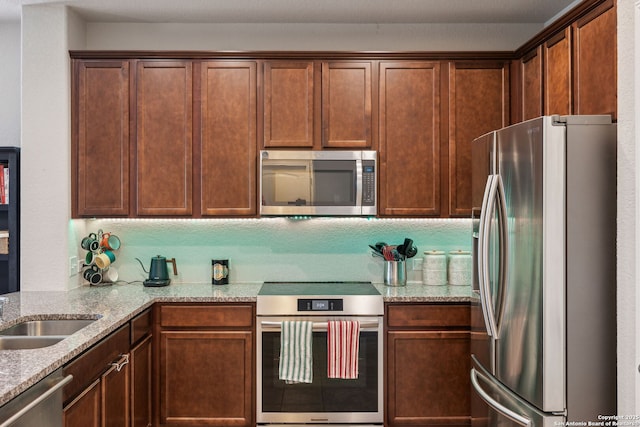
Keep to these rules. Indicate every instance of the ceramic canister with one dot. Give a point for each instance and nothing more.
(434, 268)
(459, 270)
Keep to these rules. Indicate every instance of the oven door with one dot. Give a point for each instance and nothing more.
(326, 400)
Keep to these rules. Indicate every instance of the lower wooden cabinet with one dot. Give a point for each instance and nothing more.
(428, 364)
(111, 384)
(98, 395)
(205, 362)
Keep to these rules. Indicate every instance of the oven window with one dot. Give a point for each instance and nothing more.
(324, 394)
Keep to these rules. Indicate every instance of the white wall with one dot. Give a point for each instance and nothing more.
(10, 83)
(628, 207)
(48, 32)
(306, 37)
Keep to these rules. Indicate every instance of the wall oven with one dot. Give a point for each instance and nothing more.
(325, 400)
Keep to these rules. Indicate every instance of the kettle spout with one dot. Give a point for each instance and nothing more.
(145, 270)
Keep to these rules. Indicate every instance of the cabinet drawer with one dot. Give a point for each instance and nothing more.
(207, 316)
(140, 326)
(427, 316)
(94, 362)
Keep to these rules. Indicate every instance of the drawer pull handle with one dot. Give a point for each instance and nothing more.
(121, 363)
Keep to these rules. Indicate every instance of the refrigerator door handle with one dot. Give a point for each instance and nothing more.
(515, 417)
(504, 251)
(484, 233)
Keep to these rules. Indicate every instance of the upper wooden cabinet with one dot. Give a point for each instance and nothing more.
(557, 74)
(346, 104)
(595, 69)
(409, 133)
(289, 104)
(227, 159)
(531, 71)
(478, 103)
(318, 104)
(100, 140)
(164, 139)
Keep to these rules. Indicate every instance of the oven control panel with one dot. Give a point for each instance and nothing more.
(320, 304)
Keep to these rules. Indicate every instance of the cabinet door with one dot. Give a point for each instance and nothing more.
(141, 384)
(478, 103)
(86, 409)
(595, 61)
(290, 104)
(346, 104)
(164, 138)
(101, 139)
(557, 74)
(409, 135)
(115, 394)
(436, 390)
(531, 71)
(228, 139)
(206, 378)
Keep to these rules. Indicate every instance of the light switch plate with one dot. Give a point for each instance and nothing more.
(73, 266)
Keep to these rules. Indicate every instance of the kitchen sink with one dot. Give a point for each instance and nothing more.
(46, 328)
(9, 342)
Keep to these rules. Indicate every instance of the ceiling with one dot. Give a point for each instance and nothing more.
(306, 11)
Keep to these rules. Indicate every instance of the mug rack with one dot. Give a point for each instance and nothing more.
(101, 249)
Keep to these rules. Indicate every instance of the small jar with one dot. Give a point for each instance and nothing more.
(434, 268)
(459, 270)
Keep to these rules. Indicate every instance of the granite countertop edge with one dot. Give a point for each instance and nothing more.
(115, 305)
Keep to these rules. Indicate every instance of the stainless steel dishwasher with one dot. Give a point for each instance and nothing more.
(40, 405)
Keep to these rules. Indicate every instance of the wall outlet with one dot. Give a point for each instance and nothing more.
(73, 266)
(417, 264)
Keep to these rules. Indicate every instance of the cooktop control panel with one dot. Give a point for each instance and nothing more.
(320, 304)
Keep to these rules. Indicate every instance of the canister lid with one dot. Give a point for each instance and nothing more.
(434, 252)
(459, 252)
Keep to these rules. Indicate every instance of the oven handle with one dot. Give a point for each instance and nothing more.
(366, 325)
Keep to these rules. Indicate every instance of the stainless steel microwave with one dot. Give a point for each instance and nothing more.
(323, 183)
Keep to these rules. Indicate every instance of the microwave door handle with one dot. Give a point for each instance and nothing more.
(483, 256)
(358, 182)
(513, 416)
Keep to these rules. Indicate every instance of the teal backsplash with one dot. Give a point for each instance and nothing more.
(274, 248)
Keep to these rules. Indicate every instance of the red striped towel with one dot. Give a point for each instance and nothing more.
(343, 341)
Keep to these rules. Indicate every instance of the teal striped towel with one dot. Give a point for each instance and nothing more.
(295, 352)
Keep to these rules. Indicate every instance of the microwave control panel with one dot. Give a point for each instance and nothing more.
(368, 183)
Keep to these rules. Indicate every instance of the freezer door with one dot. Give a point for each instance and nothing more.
(530, 345)
(502, 408)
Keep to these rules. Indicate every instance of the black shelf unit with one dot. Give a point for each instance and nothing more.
(10, 220)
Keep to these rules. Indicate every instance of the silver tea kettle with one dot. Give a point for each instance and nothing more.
(158, 271)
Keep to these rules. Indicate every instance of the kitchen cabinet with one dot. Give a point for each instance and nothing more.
(531, 88)
(346, 104)
(478, 97)
(164, 140)
(226, 153)
(205, 363)
(595, 68)
(100, 137)
(409, 139)
(557, 74)
(141, 369)
(291, 104)
(10, 220)
(318, 104)
(99, 393)
(432, 339)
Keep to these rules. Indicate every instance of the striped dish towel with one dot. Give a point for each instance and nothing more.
(295, 352)
(343, 341)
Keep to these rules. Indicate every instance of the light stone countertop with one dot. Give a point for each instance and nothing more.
(115, 305)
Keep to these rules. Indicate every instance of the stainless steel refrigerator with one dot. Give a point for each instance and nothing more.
(543, 308)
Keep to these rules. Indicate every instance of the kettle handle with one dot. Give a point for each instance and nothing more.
(175, 268)
(145, 270)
